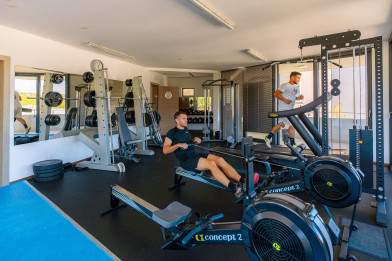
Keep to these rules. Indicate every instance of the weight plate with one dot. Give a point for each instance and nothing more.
(113, 119)
(48, 178)
(88, 77)
(49, 174)
(47, 164)
(53, 99)
(130, 117)
(128, 102)
(56, 78)
(52, 120)
(89, 99)
(48, 170)
(128, 82)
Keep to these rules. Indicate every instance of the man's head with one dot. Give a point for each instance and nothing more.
(181, 119)
(295, 77)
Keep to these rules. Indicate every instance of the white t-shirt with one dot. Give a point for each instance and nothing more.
(288, 92)
(17, 100)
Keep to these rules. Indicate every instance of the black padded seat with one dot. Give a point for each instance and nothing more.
(172, 215)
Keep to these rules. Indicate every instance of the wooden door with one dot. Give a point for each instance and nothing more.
(154, 96)
(168, 104)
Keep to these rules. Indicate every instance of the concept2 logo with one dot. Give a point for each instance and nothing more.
(216, 238)
(276, 246)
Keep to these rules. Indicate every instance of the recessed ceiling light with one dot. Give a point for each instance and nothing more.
(12, 6)
(84, 27)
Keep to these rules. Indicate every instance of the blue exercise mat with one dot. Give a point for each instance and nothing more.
(33, 228)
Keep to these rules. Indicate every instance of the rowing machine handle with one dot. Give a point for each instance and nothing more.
(191, 234)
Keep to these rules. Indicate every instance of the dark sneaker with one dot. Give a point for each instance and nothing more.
(28, 130)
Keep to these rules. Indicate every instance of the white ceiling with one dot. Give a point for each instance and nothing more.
(176, 34)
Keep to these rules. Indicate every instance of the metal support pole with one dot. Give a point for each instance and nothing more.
(305, 135)
(316, 93)
(312, 129)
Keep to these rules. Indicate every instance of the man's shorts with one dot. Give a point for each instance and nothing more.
(286, 122)
(190, 163)
(18, 112)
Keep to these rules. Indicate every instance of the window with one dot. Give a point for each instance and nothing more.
(187, 92)
(201, 103)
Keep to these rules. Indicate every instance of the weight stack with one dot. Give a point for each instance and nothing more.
(362, 152)
(48, 170)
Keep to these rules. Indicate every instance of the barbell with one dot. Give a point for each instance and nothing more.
(53, 99)
(89, 99)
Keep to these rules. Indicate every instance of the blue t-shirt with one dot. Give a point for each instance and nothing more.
(289, 92)
(182, 136)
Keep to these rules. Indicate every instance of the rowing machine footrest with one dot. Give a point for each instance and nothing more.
(172, 215)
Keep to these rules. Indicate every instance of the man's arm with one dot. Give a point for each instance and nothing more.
(168, 148)
(301, 97)
(278, 94)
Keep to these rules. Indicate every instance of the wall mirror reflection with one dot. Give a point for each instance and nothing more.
(49, 104)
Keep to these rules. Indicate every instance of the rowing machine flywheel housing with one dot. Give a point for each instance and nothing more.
(283, 227)
(333, 182)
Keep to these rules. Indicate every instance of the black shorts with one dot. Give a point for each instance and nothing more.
(190, 163)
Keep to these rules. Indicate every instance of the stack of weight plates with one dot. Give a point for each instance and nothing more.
(48, 170)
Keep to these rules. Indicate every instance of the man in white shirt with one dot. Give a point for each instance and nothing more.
(287, 94)
(18, 112)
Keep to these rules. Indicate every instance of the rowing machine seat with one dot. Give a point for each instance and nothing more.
(180, 170)
(172, 215)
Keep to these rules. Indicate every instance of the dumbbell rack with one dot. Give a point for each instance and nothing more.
(196, 125)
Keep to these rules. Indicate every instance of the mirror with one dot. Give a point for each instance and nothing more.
(65, 115)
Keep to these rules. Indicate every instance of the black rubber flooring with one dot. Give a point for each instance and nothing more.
(131, 236)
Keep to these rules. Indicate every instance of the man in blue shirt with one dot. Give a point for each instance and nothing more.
(287, 94)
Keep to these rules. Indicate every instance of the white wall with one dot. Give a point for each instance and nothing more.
(189, 82)
(34, 51)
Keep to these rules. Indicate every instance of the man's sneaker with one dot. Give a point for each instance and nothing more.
(238, 191)
(267, 141)
(28, 130)
(294, 145)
